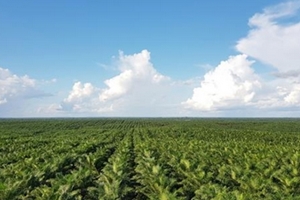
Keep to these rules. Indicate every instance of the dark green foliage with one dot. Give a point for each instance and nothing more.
(179, 158)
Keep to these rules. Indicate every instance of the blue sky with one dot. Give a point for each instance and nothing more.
(149, 58)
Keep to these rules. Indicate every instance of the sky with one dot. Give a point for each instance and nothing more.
(155, 58)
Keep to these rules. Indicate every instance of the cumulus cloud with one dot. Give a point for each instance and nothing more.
(294, 96)
(137, 85)
(135, 70)
(80, 91)
(232, 83)
(289, 94)
(273, 41)
(278, 95)
(13, 87)
(17, 94)
(83, 98)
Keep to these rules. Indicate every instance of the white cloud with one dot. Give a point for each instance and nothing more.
(288, 94)
(138, 87)
(293, 97)
(80, 91)
(272, 41)
(18, 94)
(13, 86)
(231, 84)
(136, 70)
(228, 89)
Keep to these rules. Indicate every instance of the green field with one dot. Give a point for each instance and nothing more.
(165, 159)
